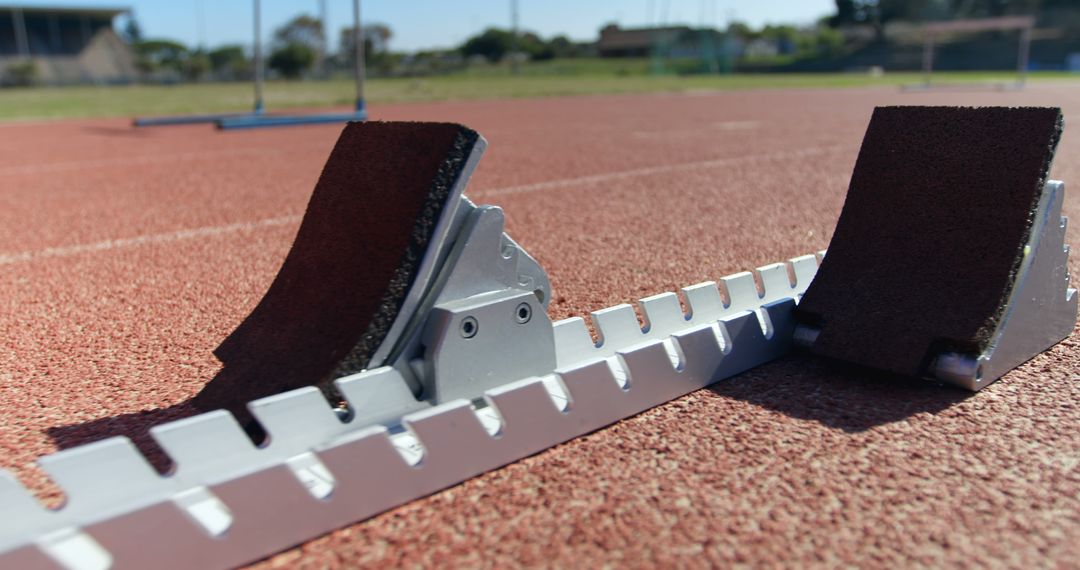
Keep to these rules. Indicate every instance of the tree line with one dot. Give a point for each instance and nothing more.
(298, 48)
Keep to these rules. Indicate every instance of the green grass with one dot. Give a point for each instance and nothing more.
(556, 78)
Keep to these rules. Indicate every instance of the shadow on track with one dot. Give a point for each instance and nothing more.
(837, 395)
(833, 394)
(135, 426)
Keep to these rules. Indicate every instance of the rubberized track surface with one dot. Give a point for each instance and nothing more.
(126, 256)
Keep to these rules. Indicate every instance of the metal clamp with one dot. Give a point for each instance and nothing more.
(485, 322)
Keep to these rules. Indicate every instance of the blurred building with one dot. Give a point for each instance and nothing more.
(61, 45)
(636, 42)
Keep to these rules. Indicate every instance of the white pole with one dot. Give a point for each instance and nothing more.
(1025, 54)
(324, 48)
(257, 60)
(200, 23)
(514, 37)
(21, 37)
(928, 57)
(358, 66)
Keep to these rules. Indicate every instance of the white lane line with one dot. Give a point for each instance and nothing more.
(662, 169)
(70, 250)
(132, 160)
(701, 130)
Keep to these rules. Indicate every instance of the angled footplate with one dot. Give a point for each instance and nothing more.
(949, 259)
(378, 229)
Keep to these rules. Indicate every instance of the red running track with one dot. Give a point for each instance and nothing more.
(126, 256)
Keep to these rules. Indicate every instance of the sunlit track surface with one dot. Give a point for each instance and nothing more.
(797, 462)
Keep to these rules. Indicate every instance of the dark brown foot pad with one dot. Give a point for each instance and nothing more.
(931, 235)
(367, 226)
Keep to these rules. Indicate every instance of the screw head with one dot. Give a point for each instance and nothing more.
(523, 313)
(469, 327)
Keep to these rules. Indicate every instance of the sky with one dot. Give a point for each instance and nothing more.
(422, 24)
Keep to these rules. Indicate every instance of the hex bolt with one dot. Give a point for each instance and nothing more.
(523, 313)
(469, 327)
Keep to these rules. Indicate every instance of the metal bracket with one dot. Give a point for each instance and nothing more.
(484, 271)
(483, 342)
(1042, 308)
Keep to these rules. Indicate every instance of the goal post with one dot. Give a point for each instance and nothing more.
(934, 31)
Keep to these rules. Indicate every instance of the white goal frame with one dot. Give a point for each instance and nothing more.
(932, 31)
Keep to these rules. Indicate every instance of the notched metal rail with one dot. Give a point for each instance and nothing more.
(228, 502)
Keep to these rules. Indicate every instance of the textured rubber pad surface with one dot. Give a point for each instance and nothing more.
(932, 233)
(365, 231)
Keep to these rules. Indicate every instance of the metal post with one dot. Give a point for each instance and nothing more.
(1025, 53)
(21, 39)
(257, 60)
(928, 57)
(324, 46)
(515, 68)
(200, 24)
(54, 34)
(358, 65)
(84, 27)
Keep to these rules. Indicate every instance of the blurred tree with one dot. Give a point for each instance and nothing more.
(846, 14)
(563, 47)
(160, 54)
(131, 32)
(376, 40)
(196, 65)
(229, 62)
(877, 13)
(21, 74)
(296, 46)
(377, 54)
(292, 60)
(493, 44)
(786, 37)
(824, 42)
(742, 31)
(534, 47)
(880, 12)
(303, 29)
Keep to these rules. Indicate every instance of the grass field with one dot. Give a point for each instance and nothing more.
(543, 80)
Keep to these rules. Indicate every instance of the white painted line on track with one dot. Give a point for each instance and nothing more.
(701, 130)
(122, 243)
(661, 169)
(130, 160)
(111, 244)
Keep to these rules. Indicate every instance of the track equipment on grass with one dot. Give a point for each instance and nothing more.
(934, 32)
(258, 117)
(454, 368)
(257, 72)
(359, 113)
